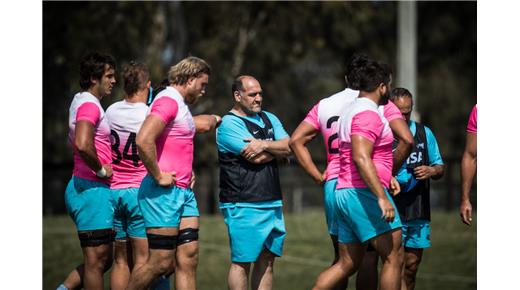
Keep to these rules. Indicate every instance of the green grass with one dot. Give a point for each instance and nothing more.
(451, 263)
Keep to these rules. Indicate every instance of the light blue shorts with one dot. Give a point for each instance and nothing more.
(128, 220)
(359, 215)
(416, 234)
(329, 203)
(252, 229)
(164, 206)
(89, 204)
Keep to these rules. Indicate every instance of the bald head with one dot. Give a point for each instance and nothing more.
(247, 93)
(238, 83)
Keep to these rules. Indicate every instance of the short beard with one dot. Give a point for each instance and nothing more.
(190, 99)
(384, 99)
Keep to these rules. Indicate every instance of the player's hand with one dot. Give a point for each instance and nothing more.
(108, 170)
(465, 212)
(192, 180)
(387, 209)
(254, 148)
(218, 120)
(423, 172)
(166, 179)
(395, 188)
(323, 177)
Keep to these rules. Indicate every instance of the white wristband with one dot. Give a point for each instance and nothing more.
(101, 172)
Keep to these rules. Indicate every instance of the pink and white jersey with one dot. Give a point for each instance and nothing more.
(472, 122)
(390, 111)
(86, 107)
(363, 118)
(175, 144)
(125, 120)
(324, 116)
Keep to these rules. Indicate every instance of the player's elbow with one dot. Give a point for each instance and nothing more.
(407, 141)
(140, 141)
(360, 159)
(82, 144)
(295, 142)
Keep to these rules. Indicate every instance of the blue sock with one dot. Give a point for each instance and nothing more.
(62, 287)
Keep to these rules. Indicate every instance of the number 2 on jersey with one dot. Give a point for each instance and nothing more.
(130, 145)
(332, 137)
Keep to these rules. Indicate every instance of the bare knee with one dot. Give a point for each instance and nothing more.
(187, 255)
(163, 266)
(348, 265)
(395, 258)
(98, 259)
(412, 264)
(161, 261)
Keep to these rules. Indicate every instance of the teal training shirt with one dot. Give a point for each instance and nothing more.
(230, 139)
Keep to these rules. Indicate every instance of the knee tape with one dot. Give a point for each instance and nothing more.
(162, 242)
(187, 235)
(96, 238)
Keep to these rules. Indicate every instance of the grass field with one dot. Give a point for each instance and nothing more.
(451, 263)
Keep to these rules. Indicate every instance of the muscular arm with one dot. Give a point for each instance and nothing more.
(303, 134)
(362, 156)
(468, 168)
(149, 132)
(84, 141)
(206, 123)
(405, 143)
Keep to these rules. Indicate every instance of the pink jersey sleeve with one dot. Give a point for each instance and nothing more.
(312, 117)
(88, 112)
(367, 124)
(391, 112)
(165, 108)
(472, 123)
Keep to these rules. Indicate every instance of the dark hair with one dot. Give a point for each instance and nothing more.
(237, 85)
(365, 74)
(135, 77)
(93, 65)
(399, 92)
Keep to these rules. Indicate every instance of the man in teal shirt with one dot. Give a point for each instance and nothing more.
(249, 140)
(413, 203)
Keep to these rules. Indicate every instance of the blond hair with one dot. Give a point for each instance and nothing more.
(189, 67)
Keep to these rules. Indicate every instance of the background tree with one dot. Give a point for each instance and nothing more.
(296, 49)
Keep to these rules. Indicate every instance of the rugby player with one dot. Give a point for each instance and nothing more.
(165, 146)
(87, 196)
(365, 208)
(323, 118)
(125, 119)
